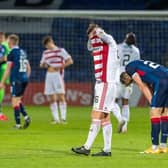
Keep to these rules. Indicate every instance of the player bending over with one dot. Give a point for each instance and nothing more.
(106, 63)
(147, 74)
(4, 51)
(127, 52)
(55, 60)
(18, 68)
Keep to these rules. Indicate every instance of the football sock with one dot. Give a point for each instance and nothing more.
(63, 110)
(126, 112)
(107, 135)
(17, 114)
(22, 110)
(164, 129)
(54, 110)
(93, 131)
(155, 130)
(117, 112)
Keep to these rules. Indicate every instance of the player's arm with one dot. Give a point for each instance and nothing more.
(89, 47)
(4, 57)
(68, 62)
(28, 69)
(104, 36)
(7, 73)
(142, 86)
(43, 64)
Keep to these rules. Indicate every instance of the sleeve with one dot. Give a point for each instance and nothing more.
(42, 61)
(10, 56)
(3, 51)
(104, 36)
(138, 54)
(89, 47)
(130, 69)
(65, 54)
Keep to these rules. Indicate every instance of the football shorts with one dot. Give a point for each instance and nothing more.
(104, 97)
(54, 84)
(18, 88)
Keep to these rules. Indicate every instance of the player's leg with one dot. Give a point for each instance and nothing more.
(155, 115)
(54, 108)
(62, 107)
(51, 93)
(164, 131)
(107, 102)
(16, 108)
(127, 91)
(60, 89)
(2, 93)
(95, 125)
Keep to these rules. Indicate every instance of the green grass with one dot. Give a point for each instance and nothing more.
(44, 145)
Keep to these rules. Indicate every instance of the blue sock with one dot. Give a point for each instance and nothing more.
(164, 129)
(22, 110)
(17, 114)
(155, 130)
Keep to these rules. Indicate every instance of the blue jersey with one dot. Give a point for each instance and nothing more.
(18, 57)
(150, 72)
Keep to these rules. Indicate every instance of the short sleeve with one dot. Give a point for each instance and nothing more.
(65, 54)
(42, 61)
(130, 69)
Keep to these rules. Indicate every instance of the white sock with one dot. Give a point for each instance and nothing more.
(163, 145)
(93, 131)
(126, 112)
(107, 135)
(154, 147)
(117, 112)
(54, 110)
(63, 110)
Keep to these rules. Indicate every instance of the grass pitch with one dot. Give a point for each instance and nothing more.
(44, 145)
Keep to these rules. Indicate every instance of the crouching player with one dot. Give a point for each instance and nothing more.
(18, 68)
(145, 73)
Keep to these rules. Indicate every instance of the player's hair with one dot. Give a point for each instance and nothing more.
(14, 38)
(91, 27)
(46, 40)
(123, 77)
(130, 38)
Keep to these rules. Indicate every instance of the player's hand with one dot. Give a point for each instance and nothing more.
(2, 85)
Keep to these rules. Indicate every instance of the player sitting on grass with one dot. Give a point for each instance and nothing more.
(18, 68)
(145, 73)
(55, 60)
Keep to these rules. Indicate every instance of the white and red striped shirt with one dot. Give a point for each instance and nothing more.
(106, 61)
(55, 58)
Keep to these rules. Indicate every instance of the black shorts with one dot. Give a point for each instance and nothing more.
(160, 96)
(18, 88)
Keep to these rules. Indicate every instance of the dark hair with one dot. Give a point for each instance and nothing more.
(2, 33)
(130, 38)
(47, 39)
(91, 27)
(14, 38)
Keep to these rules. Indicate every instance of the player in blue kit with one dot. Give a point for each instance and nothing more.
(19, 69)
(152, 80)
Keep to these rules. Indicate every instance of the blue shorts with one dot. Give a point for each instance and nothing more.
(18, 88)
(160, 96)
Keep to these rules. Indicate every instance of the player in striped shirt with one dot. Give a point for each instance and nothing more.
(106, 63)
(55, 60)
